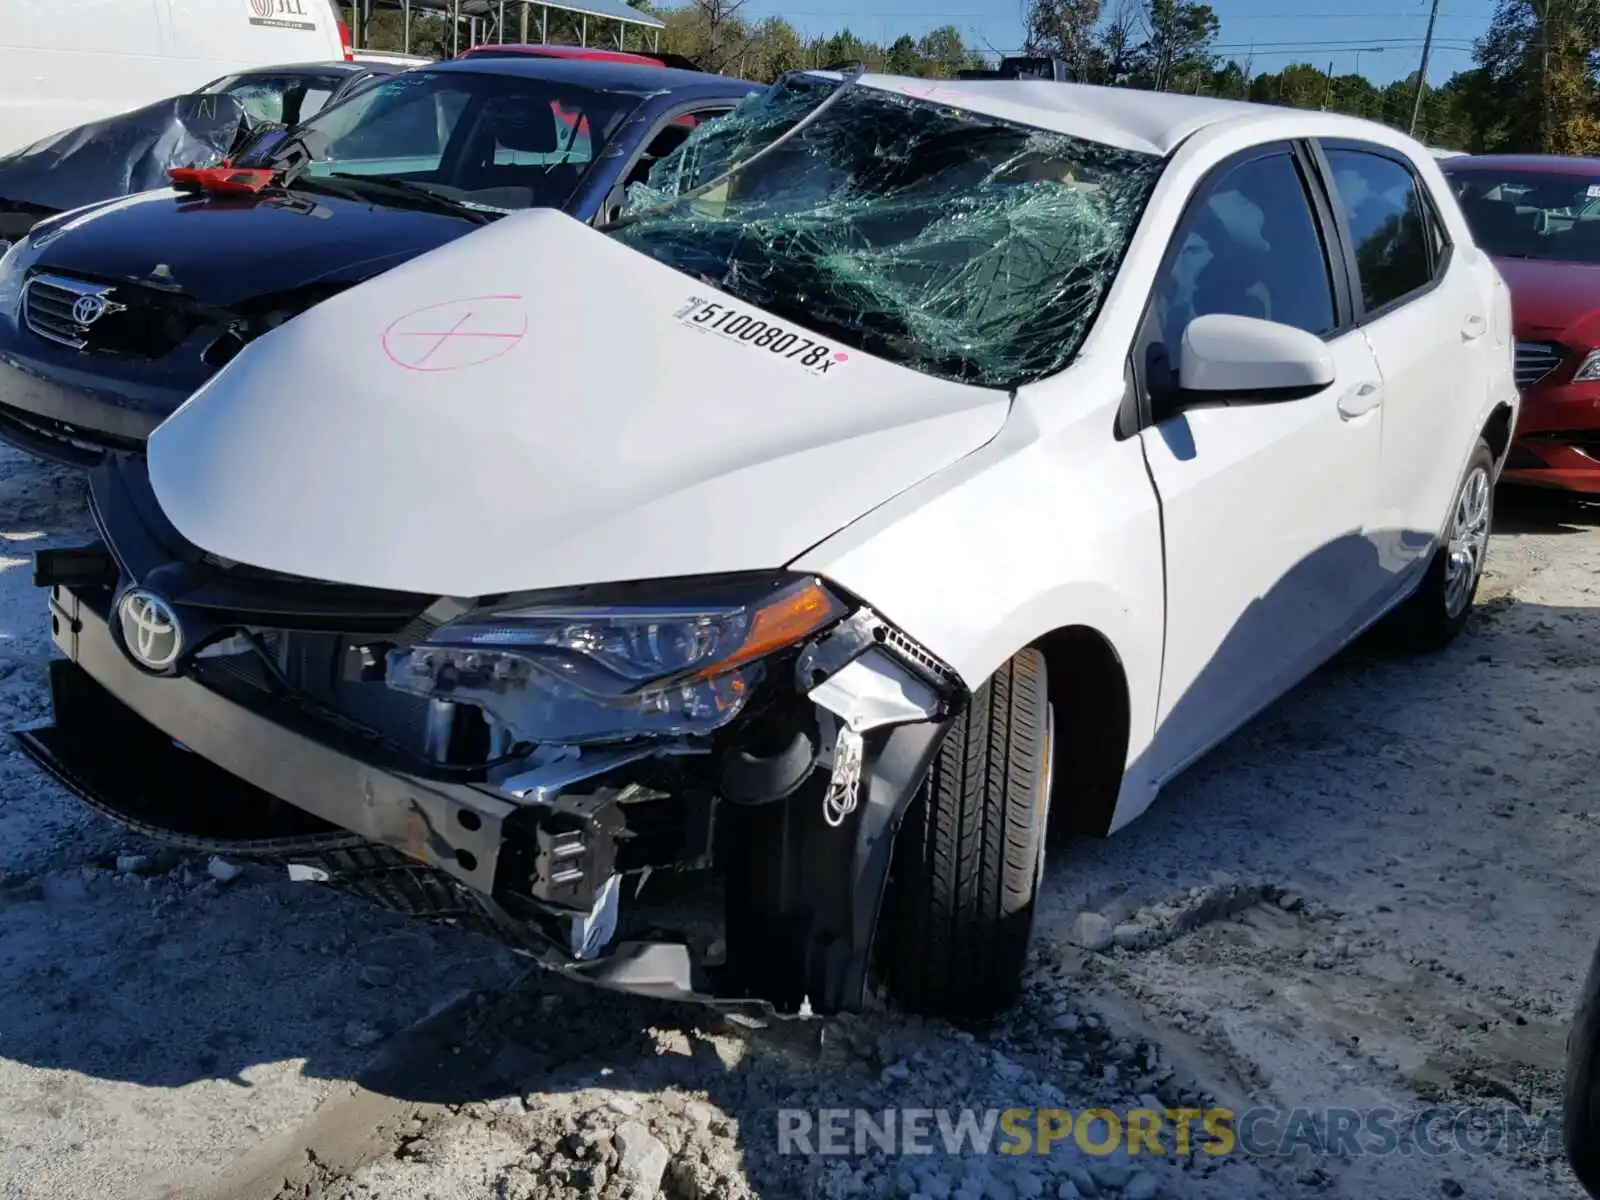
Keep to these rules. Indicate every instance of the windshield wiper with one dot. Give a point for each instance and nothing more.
(851, 78)
(406, 187)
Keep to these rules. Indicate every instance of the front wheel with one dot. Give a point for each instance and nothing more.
(959, 907)
(1432, 616)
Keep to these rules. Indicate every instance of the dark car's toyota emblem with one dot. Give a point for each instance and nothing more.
(86, 310)
(150, 629)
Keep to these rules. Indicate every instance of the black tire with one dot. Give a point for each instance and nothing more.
(1581, 1113)
(959, 908)
(1431, 617)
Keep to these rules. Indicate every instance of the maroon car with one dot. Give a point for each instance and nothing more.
(590, 53)
(1539, 217)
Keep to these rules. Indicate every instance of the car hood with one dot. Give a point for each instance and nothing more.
(1555, 301)
(468, 426)
(224, 250)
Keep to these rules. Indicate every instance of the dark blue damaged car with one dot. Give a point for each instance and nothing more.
(112, 315)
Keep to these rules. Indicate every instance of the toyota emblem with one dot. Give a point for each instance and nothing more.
(150, 630)
(86, 310)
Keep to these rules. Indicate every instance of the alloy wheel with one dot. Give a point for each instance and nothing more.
(1468, 541)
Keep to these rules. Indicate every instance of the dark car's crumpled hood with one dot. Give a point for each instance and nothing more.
(120, 155)
(221, 251)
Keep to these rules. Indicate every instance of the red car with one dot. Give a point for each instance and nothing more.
(593, 53)
(1539, 217)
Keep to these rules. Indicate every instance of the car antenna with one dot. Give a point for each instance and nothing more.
(851, 77)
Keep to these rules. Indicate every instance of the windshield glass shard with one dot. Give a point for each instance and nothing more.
(953, 243)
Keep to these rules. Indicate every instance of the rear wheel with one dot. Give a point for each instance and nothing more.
(1432, 616)
(960, 902)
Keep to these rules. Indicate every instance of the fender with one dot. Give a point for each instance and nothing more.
(1052, 524)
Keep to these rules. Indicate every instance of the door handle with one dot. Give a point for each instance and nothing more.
(1473, 327)
(1359, 401)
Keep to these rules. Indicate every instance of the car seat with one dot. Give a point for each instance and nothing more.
(528, 131)
(1494, 223)
(1580, 242)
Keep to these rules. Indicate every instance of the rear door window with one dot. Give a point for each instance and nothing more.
(1391, 233)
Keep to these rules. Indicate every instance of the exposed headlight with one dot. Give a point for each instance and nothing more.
(1589, 369)
(579, 673)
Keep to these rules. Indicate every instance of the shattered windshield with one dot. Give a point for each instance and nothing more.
(955, 244)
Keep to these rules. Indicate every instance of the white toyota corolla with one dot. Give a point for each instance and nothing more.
(906, 469)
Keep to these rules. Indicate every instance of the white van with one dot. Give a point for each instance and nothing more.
(68, 63)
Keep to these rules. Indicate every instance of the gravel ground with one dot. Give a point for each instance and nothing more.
(1379, 896)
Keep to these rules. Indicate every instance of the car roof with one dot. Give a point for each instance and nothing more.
(1152, 122)
(597, 73)
(332, 67)
(1550, 164)
(553, 50)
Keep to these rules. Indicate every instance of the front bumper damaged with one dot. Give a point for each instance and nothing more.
(549, 857)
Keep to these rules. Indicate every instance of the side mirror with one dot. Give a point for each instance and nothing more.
(1227, 359)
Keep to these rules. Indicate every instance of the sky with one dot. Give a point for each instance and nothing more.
(1387, 33)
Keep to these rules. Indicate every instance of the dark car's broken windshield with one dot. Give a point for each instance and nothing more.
(953, 243)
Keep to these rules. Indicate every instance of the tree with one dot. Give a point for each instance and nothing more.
(1536, 88)
(1534, 85)
(1298, 86)
(1064, 29)
(943, 51)
(903, 58)
(430, 33)
(776, 48)
(845, 47)
(725, 40)
(1117, 44)
(1177, 45)
(1230, 82)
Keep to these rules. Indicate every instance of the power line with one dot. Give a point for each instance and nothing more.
(1356, 16)
(1277, 13)
(1335, 43)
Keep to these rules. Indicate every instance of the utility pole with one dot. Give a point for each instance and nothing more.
(1542, 11)
(1327, 89)
(1422, 71)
